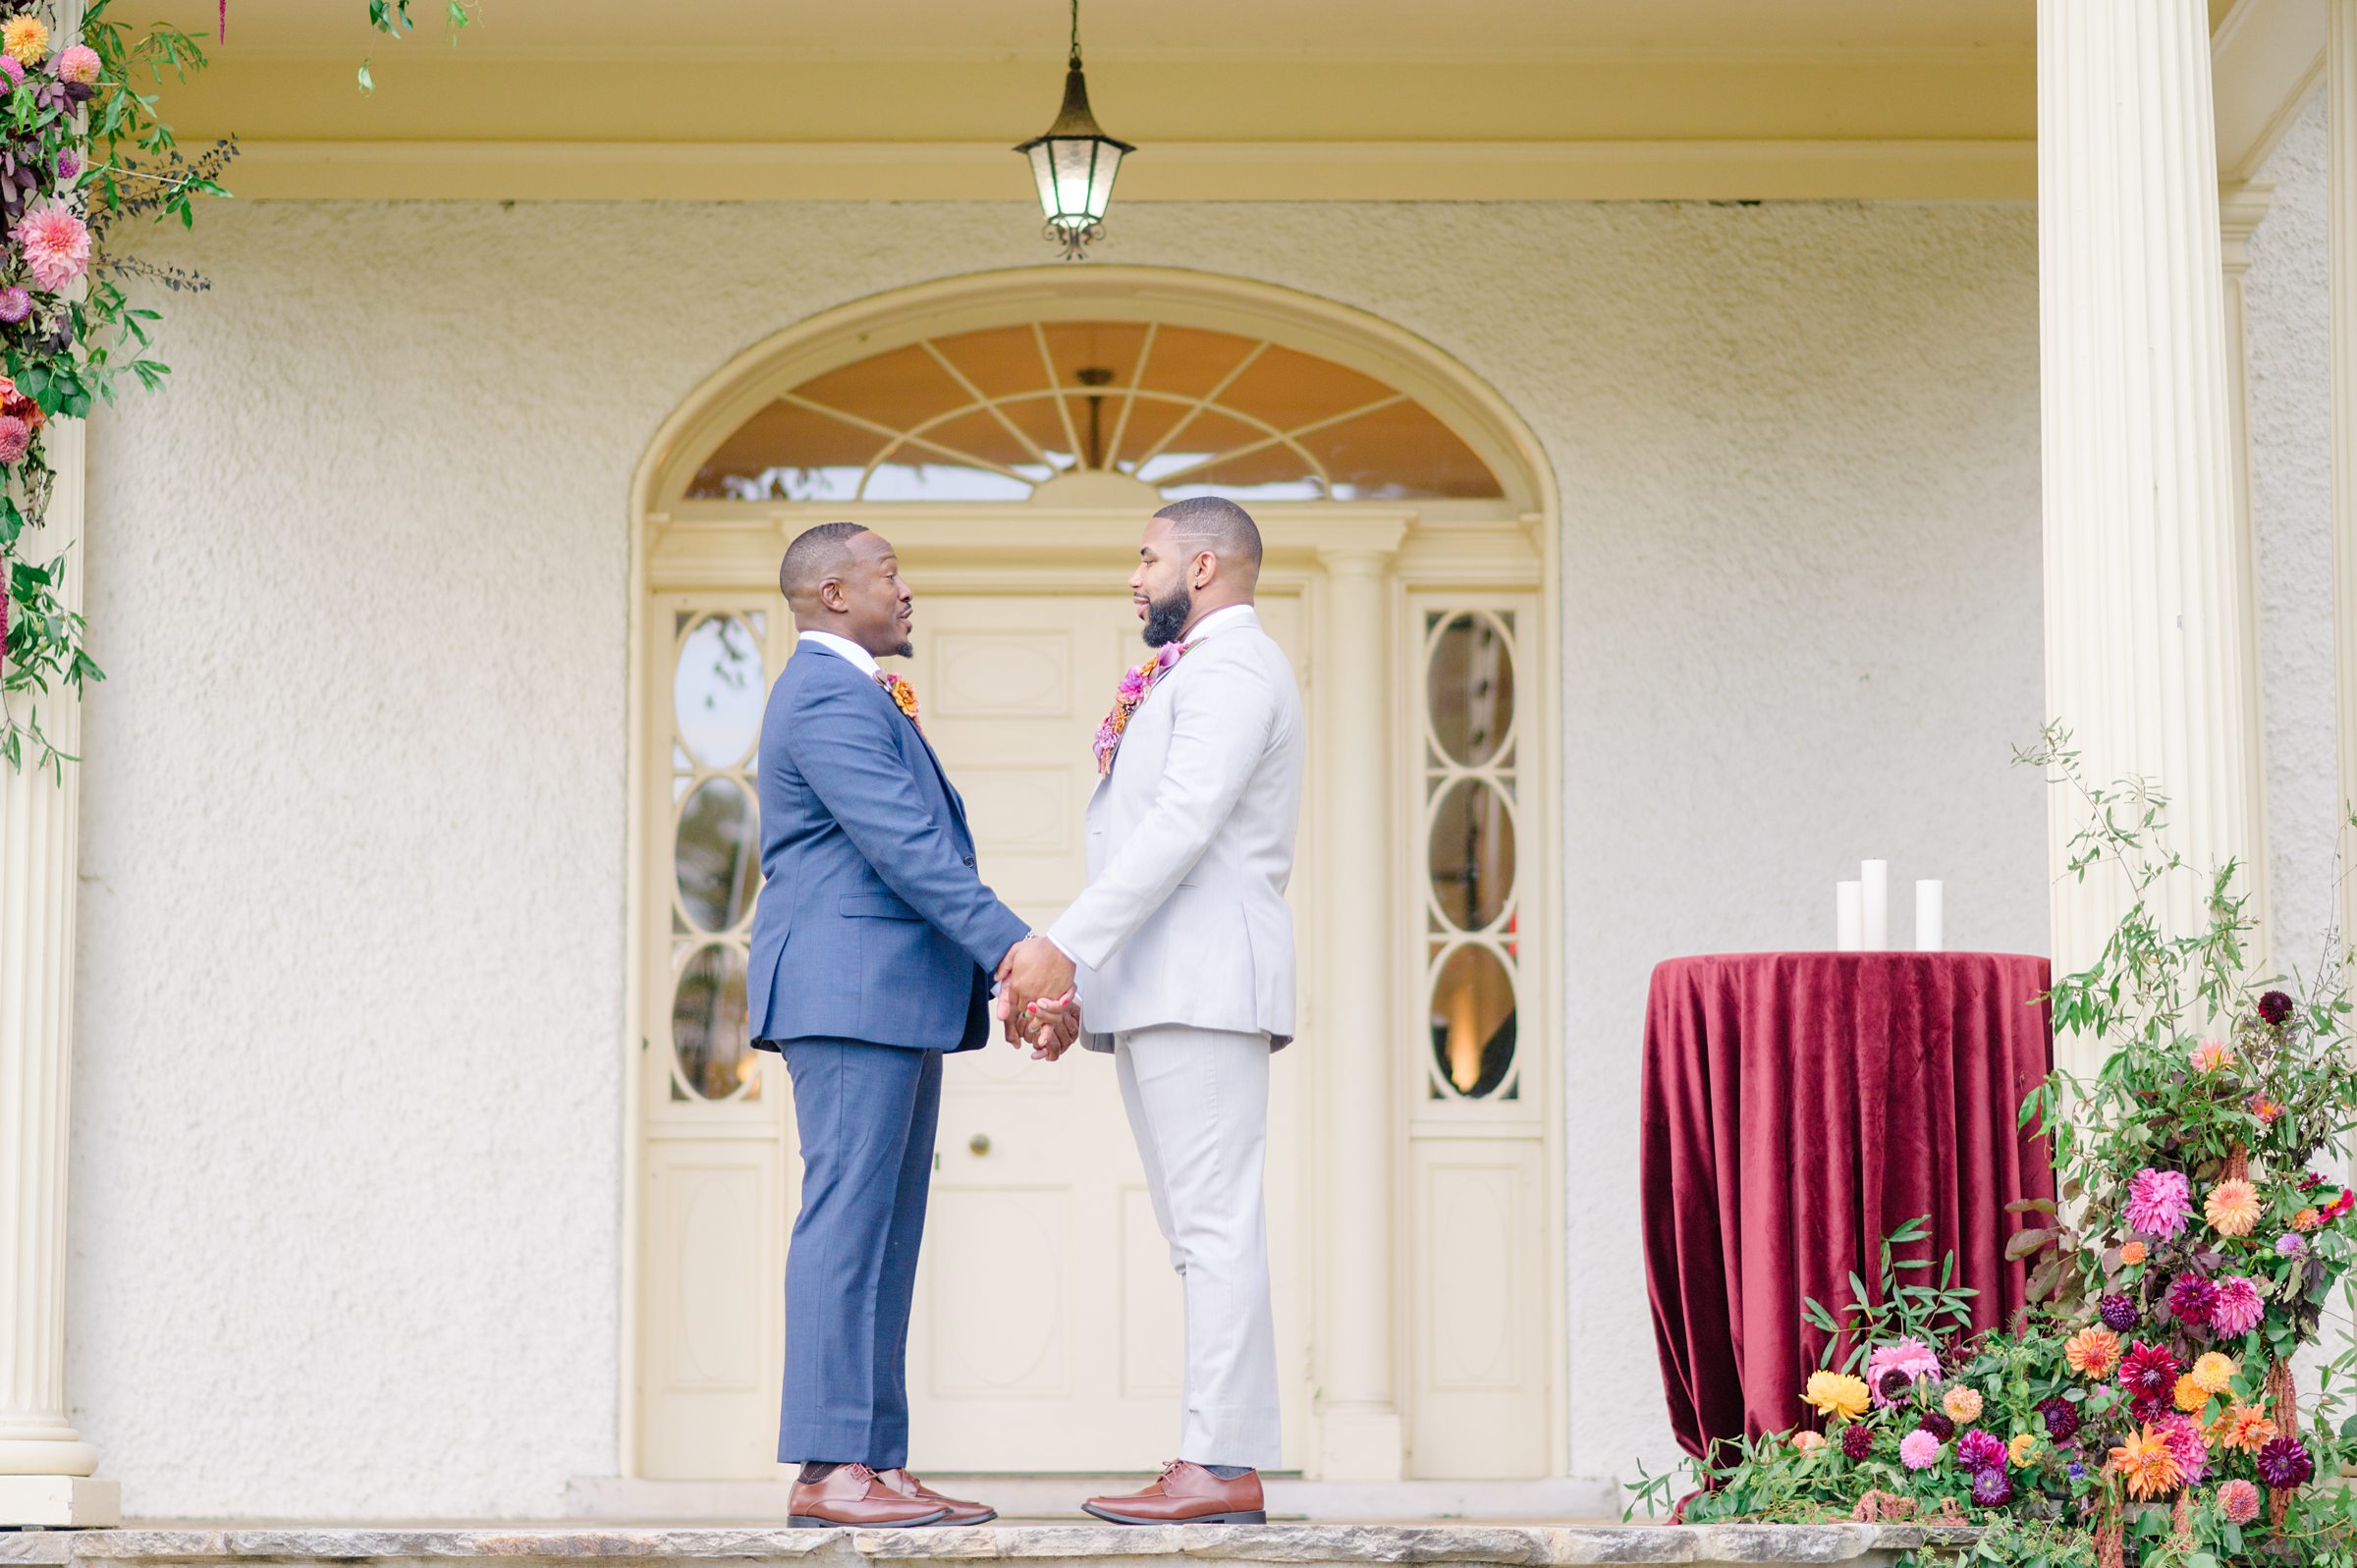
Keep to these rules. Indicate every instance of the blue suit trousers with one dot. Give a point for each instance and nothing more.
(866, 1115)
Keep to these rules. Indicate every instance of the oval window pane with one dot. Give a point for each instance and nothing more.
(717, 692)
(1473, 1021)
(715, 852)
(709, 1024)
(1470, 688)
(1473, 854)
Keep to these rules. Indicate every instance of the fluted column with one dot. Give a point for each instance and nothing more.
(1359, 1412)
(2242, 209)
(45, 1467)
(2147, 641)
(2341, 207)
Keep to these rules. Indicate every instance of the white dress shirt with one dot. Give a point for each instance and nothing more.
(844, 648)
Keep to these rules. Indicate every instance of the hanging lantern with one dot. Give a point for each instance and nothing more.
(1073, 161)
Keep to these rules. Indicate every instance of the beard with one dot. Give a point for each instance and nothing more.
(906, 649)
(1167, 617)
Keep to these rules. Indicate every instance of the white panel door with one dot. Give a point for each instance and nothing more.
(1048, 1321)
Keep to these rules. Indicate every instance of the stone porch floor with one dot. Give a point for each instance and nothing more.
(1047, 1545)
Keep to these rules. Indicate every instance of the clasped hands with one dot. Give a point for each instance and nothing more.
(1036, 1003)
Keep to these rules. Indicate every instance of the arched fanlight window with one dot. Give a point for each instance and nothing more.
(994, 413)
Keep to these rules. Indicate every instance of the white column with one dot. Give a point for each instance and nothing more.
(2241, 208)
(1359, 1412)
(44, 1465)
(2148, 644)
(2340, 206)
(43, 1462)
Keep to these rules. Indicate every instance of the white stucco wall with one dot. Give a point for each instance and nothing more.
(347, 1170)
(2287, 310)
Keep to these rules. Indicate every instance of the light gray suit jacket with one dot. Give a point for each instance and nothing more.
(1191, 846)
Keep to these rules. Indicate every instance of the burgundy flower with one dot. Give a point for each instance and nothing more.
(1896, 1385)
(2285, 1462)
(1937, 1425)
(2062, 1418)
(2119, 1314)
(1993, 1487)
(1857, 1442)
(2274, 1006)
(1981, 1450)
(2192, 1299)
(2309, 1181)
(2149, 1371)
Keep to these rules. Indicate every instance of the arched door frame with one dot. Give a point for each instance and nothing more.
(1377, 554)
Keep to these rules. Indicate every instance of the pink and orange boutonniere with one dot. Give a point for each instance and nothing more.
(903, 694)
(1135, 683)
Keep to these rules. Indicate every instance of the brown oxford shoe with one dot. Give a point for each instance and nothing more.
(851, 1496)
(959, 1515)
(1187, 1495)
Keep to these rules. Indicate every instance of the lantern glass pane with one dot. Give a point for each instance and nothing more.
(1043, 175)
(1076, 162)
(1100, 192)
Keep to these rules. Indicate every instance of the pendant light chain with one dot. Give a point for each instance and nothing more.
(1075, 61)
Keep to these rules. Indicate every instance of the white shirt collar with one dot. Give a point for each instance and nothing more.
(1221, 621)
(844, 648)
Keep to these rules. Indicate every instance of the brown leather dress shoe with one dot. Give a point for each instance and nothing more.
(851, 1496)
(1187, 1495)
(959, 1515)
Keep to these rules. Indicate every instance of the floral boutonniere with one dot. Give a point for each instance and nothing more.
(904, 696)
(1135, 683)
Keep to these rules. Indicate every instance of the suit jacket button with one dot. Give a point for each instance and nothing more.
(970, 862)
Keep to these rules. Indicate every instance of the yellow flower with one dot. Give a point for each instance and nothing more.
(1837, 1393)
(2214, 1373)
(2233, 1208)
(1963, 1405)
(25, 39)
(2132, 1254)
(2148, 1466)
(2092, 1352)
(2023, 1447)
(2191, 1396)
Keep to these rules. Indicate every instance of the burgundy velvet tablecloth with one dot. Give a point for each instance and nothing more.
(1797, 1107)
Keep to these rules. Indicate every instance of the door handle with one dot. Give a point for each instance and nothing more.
(979, 1143)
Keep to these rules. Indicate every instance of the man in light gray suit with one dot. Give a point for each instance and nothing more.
(1184, 948)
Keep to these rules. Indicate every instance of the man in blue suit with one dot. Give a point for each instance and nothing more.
(874, 948)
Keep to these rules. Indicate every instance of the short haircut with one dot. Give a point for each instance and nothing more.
(814, 553)
(1219, 522)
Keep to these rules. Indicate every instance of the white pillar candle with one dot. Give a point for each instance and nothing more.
(1874, 876)
(1929, 932)
(1850, 917)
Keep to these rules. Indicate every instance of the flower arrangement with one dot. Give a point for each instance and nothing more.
(2145, 1409)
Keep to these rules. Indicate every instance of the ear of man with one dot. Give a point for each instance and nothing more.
(1215, 527)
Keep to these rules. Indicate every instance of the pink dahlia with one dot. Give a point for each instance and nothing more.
(1912, 1359)
(15, 303)
(2238, 1309)
(2149, 1371)
(2186, 1445)
(15, 438)
(10, 68)
(2159, 1202)
(2238, 1500)
(80, 63)
(1919, 1451)
(57, 251)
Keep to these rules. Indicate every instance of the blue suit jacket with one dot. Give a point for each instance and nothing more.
(871, 924)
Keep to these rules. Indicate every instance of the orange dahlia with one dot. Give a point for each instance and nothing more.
(2306, 1220)
(2190, 1395)
(1963, 1405)
(2214, 1372)
(2132, 1255)
(2244, 1429)
(2233, 1208)
(2147, 1464)
(2092, 1352)
(2023, 1448)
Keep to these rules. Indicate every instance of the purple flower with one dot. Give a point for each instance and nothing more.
(1857, 1442)
(1981, 1450)
(2078, 1472)
(1992, 1488)
(1938, 1423)
(2192, 1299)
(2274, 1006)
(2062, 1418)
(2285, 1463)
(2288, 1245)
(69, 166)
(2118, 1313)
(15, 303)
